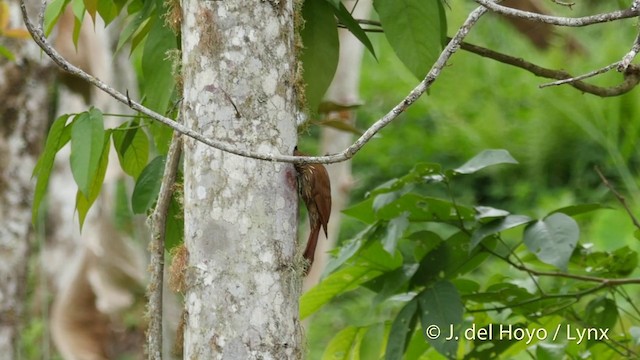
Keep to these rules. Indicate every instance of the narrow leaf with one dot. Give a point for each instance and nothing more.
(401, 330)
(320, 53)
(352, 25)
(441, 308)
(145, 192)
(553, 239)
(158, 82)
(84, 202)
(337, 283)
(45, 163)
(343, 344)
(395, 230)
(87, 142)
(485, 159)
(52, 14)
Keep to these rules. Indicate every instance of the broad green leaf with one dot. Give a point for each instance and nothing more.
(497, 226)
(320, 54)
(334, 3)
(550, 351)
(343, 344)
(52, 14)
(337, 283)
(362, 211)
(421, 173)
(449, 260)
(394, 231)
(376, 257)
(372, 341)
(87, 143)
(441, 307)
(422, 208)
(601, 313)
(485, 159)
(391, 283)
(108, 10)
(351, 247)
(145, 192)
(132, 146)
(401, 329)
(84, 202)
(345, 18)
(416, 30)
(505, 293)
(619, 263)
(43, 168)
(553, 239)
(158, 80)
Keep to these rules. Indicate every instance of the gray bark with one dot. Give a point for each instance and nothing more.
(24, 96)
(243, 280)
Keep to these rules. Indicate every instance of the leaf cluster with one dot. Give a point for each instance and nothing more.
(432, 261)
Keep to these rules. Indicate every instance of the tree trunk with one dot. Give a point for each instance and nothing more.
(243, 282)
(24, 94)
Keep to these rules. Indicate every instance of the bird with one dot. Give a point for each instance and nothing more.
(315, 189)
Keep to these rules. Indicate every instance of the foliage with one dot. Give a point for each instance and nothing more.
(445, 266)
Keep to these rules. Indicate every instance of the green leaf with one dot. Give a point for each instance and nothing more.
(416, 30)
(133, 25)
(55, 140)
(87, 143)
(52, 14)
(601, 313)
(421, 173)
(132, 146)
(422, 208)
(401, 329)
(394, 231)
(92, 7)
(84, 202)
(158, 79)
(351, 247)
(547, 351)
(372, 341)
(441, 307)
(485, 159)
(334, 3)
(573, 210)
(362, 211)
(78, 11)
(484, 213)
(108, 10)
(337, 283)
(145, 192)
(345, 18)
(553, 239)
(343, 345)
(7, 53)
(497, 226)
(320, 54)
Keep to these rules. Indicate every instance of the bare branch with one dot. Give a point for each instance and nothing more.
(156, 248)
(628, 58)
(618, 196)
(582, 77)
(558, 20)
(632, 75)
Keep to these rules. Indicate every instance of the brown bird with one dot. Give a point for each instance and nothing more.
(315, 190)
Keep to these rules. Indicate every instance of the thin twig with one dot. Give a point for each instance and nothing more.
(618, 196)
(632, 75)
(582, 77)
(628, 58)
(156, 248)
(558, 20)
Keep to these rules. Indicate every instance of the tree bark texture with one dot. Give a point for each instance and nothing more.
(239, 70)
(24, 85)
